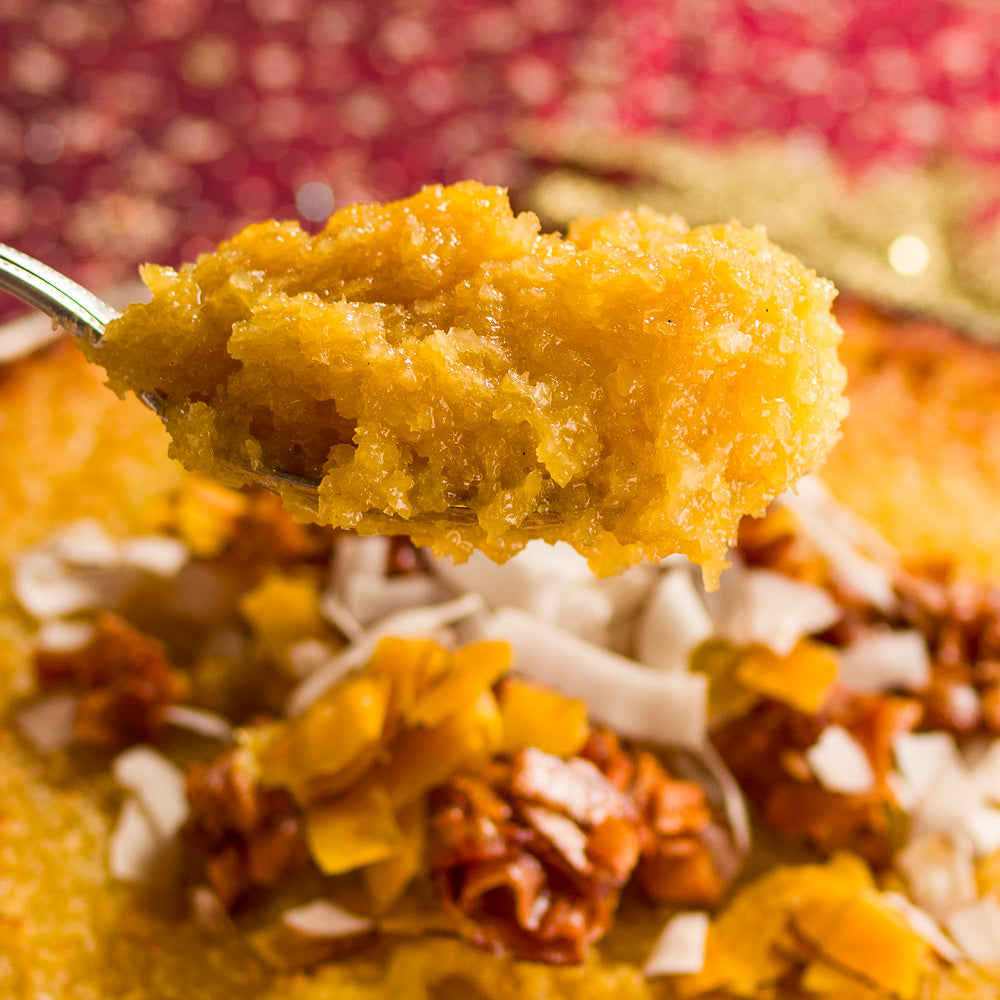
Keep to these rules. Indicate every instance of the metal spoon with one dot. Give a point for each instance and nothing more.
(84, 315)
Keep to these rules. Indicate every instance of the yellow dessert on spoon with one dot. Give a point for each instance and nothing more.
(440, 368)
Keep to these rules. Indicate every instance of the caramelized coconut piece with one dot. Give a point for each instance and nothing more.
(531, 853)
(448, 372)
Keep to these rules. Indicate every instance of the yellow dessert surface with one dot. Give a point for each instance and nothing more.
(450, 372)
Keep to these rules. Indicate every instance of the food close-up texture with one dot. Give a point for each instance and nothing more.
(263, 757)
(633, 389)
(431, 255)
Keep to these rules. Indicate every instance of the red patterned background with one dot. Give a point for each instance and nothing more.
(148, 130)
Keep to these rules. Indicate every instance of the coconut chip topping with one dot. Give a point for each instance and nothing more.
(533, 854)
(331, 739)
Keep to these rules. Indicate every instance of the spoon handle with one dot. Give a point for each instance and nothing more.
(69, 305)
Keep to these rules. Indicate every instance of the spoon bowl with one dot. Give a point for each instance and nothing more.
(81, 313)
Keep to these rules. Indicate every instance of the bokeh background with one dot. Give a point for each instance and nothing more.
(134, 130)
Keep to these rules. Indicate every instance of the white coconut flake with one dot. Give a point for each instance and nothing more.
(338, 614)
(762, 606)
(922, 757)
(948, 801)
(59, 636)
(155, 554)
(539, 566)
(976, 930)
(840, 762)
(198, 720)
(627, 593)
(986, 773)
(371, 598)
(413, 622)
(638, 703)
(923, 924)
(940, 872)
(309, 655)
(680, 948)
(46, 587)
(329, 673)
(81, 568)
(846, 542)
(584, 611)
(885, 661)
(359, 555)
(85, 543)
(158, 786)
(553, 582)
(48, 723)
(674, 622)
(135, 844)
(963, 706)
(322, 919)
(982, 824)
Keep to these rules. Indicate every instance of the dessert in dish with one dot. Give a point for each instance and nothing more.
(204, 699)
(633, 388)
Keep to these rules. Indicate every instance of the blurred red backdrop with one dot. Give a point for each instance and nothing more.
(150, 129)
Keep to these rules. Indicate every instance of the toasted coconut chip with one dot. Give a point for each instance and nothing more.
(925, 925)
(940, 871)
(323, 919)
(157, 785)
(886, 661)
(680, 948)
(976, 930)
(674, 621)
(200, 721)
(48, 724)
(414, 622)
(847, 543)
(635, 702)
(136, 844)
(763, 606)
(840, 762)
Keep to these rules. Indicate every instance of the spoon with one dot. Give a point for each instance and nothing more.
(85, 316)
(81, 313)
